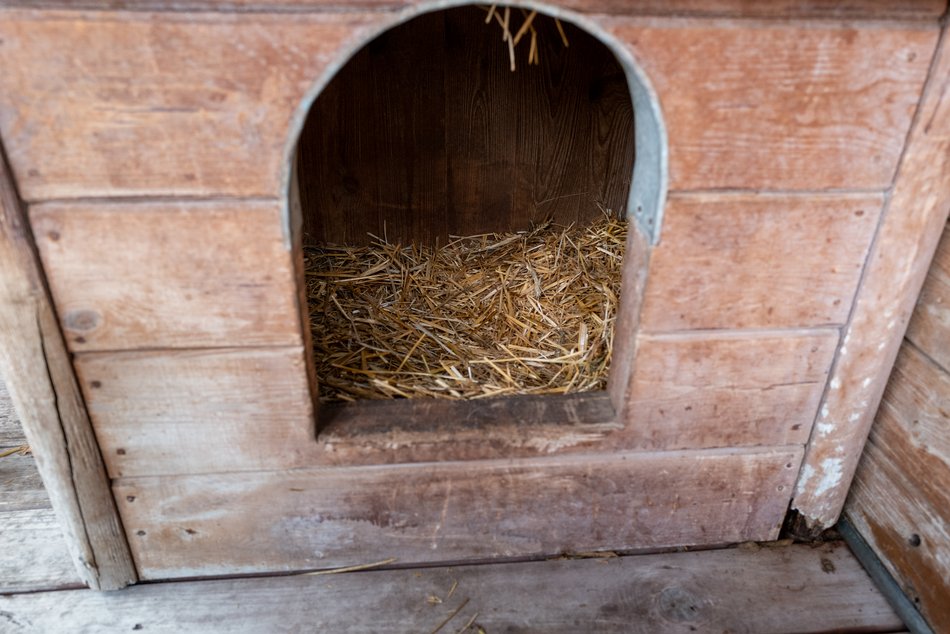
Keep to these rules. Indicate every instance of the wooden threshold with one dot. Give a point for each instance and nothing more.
(591, 411)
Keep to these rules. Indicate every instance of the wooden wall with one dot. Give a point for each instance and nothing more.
(900, 499)
(427, 133)
(154, 180)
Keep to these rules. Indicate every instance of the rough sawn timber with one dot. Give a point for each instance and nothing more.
(696, 391)
(758, 260)
(747, 104)
(220, 524)
(800, 589)
(168, 274)
(37, 370)
(896, 269)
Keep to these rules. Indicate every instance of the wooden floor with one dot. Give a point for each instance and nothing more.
(750, 588)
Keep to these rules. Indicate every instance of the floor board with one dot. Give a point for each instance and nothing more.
(765, 590)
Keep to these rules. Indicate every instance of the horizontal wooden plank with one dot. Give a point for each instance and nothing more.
(33, 554)
(854, 9)
(766, 590)
(21, 484)
(758, 261)
(157, 412)
(162, 412)
(188, 104)
(747, 105)
(792, 106)
(900, 497)
(929, 327)
(727, 389)
(429, 417)
(163, 275)
(317, 518)
(11, 433)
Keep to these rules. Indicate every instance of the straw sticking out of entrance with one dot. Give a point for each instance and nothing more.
(497, 314)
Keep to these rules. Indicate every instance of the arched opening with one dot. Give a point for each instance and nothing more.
(466, 177)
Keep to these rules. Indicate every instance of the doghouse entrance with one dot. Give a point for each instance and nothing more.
(463, 222)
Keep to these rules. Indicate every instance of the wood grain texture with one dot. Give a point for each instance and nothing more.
(758, 261)
(727, 389)
(747, 105)
(426, 133)
(37, 371)
(113, 104)
(929, 327)
(900, 498)
(790, 106)
(21, 484)
(165, 275)
(11, 433)
(33, 554)
(372, 155)
(318, 518)
(852, 9)
(736, 590)
(897, 266)
(157, 412)
(160, 412)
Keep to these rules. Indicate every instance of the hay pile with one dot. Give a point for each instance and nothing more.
(489, 315)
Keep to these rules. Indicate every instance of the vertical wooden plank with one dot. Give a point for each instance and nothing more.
(574, 130)
(428, 133)
(895, 272)
(410, 130)
(336, 166)
(480, 141)
(38, 373)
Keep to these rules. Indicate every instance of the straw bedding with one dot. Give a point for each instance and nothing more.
(488, 315)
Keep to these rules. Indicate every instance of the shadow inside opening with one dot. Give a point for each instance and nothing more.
(427, 135)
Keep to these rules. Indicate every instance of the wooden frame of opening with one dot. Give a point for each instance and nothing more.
(68, 198)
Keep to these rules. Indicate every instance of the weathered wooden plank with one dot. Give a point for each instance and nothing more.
(901, 493)
(767, 590)
(38, 373)
(33, 554)
(157, 412)
(929, 326)
(758, 261)
(176, 104)
(161, 412)
(429, 417)
(791, 105)
(852, 9)
(11, 434)
(161, 275)
(727, 389)
(21, 484)
(897, 266)
(316, 518)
